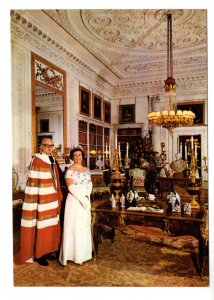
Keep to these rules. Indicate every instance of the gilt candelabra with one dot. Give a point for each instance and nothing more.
(193, 186)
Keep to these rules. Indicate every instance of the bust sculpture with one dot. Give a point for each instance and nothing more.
(179, 165)
(99, 162)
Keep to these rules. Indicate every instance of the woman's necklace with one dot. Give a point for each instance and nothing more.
(78, 167)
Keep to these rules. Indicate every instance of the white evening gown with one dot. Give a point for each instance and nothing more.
(76, 244)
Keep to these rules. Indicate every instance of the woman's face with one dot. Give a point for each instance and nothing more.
(77, 157)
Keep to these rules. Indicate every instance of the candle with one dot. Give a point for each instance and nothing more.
(185, 151)
(106, 151)
(180, 148)
(119, 150)
(196, 151)
(109, 152)
(192, 140)
(115, 139)
(204, 149)
(127, 149)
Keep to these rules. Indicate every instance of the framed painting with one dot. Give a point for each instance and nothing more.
(127, 113)
(197, 108)
(85, 102)
(97, 107)
(44, 125)
(107, 111)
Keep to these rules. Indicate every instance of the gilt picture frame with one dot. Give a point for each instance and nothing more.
(127, 114)
(197, 108)
(107, 112)
(85, 102)
(97, 107)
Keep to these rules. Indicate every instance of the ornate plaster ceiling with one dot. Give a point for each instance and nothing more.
(132, 43)
(45, 98)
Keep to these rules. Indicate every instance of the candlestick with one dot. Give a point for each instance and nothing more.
(127, 149)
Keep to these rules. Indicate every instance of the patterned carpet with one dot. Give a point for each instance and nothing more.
(125, 263)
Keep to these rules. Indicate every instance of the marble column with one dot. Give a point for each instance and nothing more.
(156, 130)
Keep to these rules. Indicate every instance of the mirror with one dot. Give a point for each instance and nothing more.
(48, 103)
(49, 115)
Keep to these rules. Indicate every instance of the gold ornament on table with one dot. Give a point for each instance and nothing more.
(193, 186)
(66, 154)
(127, 160)
(116, 179)
(107, 154)
(15, 179)
(116, 183)
(116, 161)
(205, 164)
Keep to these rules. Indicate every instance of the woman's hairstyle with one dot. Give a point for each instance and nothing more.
(75, 149)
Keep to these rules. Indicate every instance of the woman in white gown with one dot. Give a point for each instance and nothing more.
(76, 242)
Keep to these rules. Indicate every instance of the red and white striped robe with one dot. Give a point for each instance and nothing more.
(40, 224)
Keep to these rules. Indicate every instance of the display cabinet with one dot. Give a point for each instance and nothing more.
(127, 135)
(93, 139)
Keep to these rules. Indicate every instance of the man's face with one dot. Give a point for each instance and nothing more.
(47, 146)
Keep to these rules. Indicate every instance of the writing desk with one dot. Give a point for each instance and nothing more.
(171, 223)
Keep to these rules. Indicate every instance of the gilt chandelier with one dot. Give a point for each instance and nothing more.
(169, 117)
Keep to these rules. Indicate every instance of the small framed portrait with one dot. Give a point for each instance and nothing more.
(97, 107)
(197, 108)
(127, 113)
(85, 101)
(44, 125)
(107, 112)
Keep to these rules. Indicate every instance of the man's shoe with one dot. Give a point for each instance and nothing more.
(42, 261)
(50, 256)
(57, 254)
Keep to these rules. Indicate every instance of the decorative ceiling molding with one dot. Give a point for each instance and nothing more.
(37, 31)
(137, 29)
(143, 30)
(139, 63)
(132, 42)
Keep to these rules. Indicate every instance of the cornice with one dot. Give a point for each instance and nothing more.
(37, 37)
(185, 86)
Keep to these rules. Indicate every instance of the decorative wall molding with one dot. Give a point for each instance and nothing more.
(20, 108)
(185, 87)
(54, 100)
(35, 38)
(48, 75)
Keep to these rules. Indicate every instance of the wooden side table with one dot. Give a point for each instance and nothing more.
(19, 194)
(18, 197)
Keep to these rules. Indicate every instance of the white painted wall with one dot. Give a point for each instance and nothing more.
(76, 74)
(21, 95)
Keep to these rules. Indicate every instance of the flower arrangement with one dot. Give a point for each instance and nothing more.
(141, 148)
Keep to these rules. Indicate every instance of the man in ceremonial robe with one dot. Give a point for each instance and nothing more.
(40, 222)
